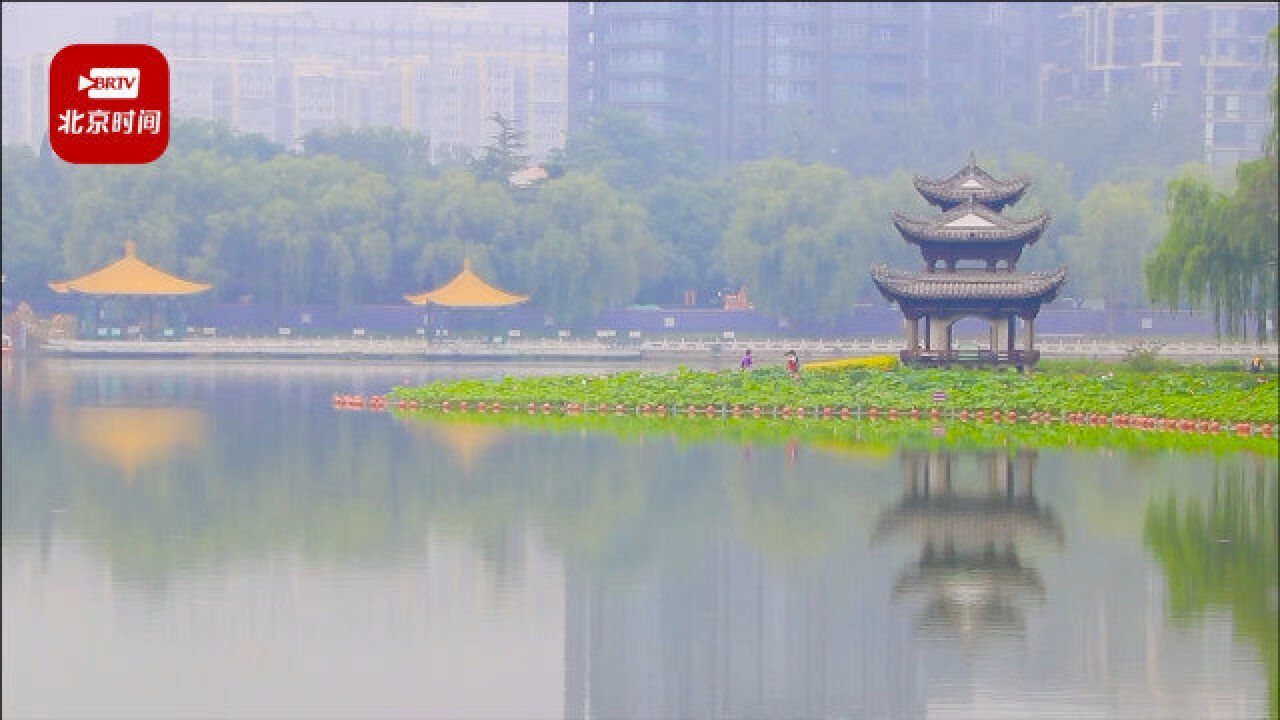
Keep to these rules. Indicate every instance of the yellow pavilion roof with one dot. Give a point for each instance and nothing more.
(467, 290)
(129, 276)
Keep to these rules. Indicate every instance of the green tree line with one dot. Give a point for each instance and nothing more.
(628, 215)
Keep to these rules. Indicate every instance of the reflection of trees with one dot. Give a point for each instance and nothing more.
(1221, 554)
(969, 524)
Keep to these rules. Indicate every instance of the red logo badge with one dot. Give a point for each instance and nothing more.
(109, 104)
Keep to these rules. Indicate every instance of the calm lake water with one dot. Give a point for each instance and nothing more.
(215, 540)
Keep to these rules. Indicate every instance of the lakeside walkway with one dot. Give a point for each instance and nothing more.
(553, 350)
(340, 348)
(1087, 348)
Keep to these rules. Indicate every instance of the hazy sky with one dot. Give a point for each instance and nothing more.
(46, 27)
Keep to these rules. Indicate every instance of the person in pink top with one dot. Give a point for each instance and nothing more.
(793, 364)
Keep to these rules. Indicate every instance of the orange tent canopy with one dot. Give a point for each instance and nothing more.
(129, 276)
(467, 290)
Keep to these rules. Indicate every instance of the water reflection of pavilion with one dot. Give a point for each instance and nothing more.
(969, 522)
(134, 438)
(724, 631)
(467, 440)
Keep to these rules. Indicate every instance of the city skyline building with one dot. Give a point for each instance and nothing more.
(745, 74)
(1211, 56)
(749, 73)
(748, 77)
(283, 70)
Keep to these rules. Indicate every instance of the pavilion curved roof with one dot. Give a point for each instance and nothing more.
(968, 285)
(129, 276)
(971, 183)
(467, 289)
(971, 222)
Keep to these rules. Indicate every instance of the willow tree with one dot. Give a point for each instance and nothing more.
(1250, 218)
(1120, 226)
(791, 239)
(1220, 249)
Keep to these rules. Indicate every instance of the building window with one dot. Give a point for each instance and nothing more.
(1228, 134)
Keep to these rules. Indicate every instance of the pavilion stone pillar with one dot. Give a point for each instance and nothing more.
(913, 333)
(1030, 339)
(1000, 335)
(1012, 324)
(940, 334)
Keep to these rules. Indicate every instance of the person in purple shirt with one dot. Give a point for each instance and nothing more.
(746, 360)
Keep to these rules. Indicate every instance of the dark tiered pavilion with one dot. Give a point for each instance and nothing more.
(970, 228)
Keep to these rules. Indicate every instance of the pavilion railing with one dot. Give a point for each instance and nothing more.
(944, 358)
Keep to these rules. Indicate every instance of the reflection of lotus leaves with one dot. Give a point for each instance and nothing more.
(878, 450)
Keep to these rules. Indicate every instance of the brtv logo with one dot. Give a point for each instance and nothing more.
(109, 104)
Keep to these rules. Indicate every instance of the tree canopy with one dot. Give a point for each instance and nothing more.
(630, 214)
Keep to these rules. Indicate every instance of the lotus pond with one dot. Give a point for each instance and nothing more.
(1190, 394)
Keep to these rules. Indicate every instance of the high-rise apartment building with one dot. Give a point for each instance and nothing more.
(1211, 55)
(740, 72)
(745, 71)
(14, 104)
(451, 99)
(26, 99)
